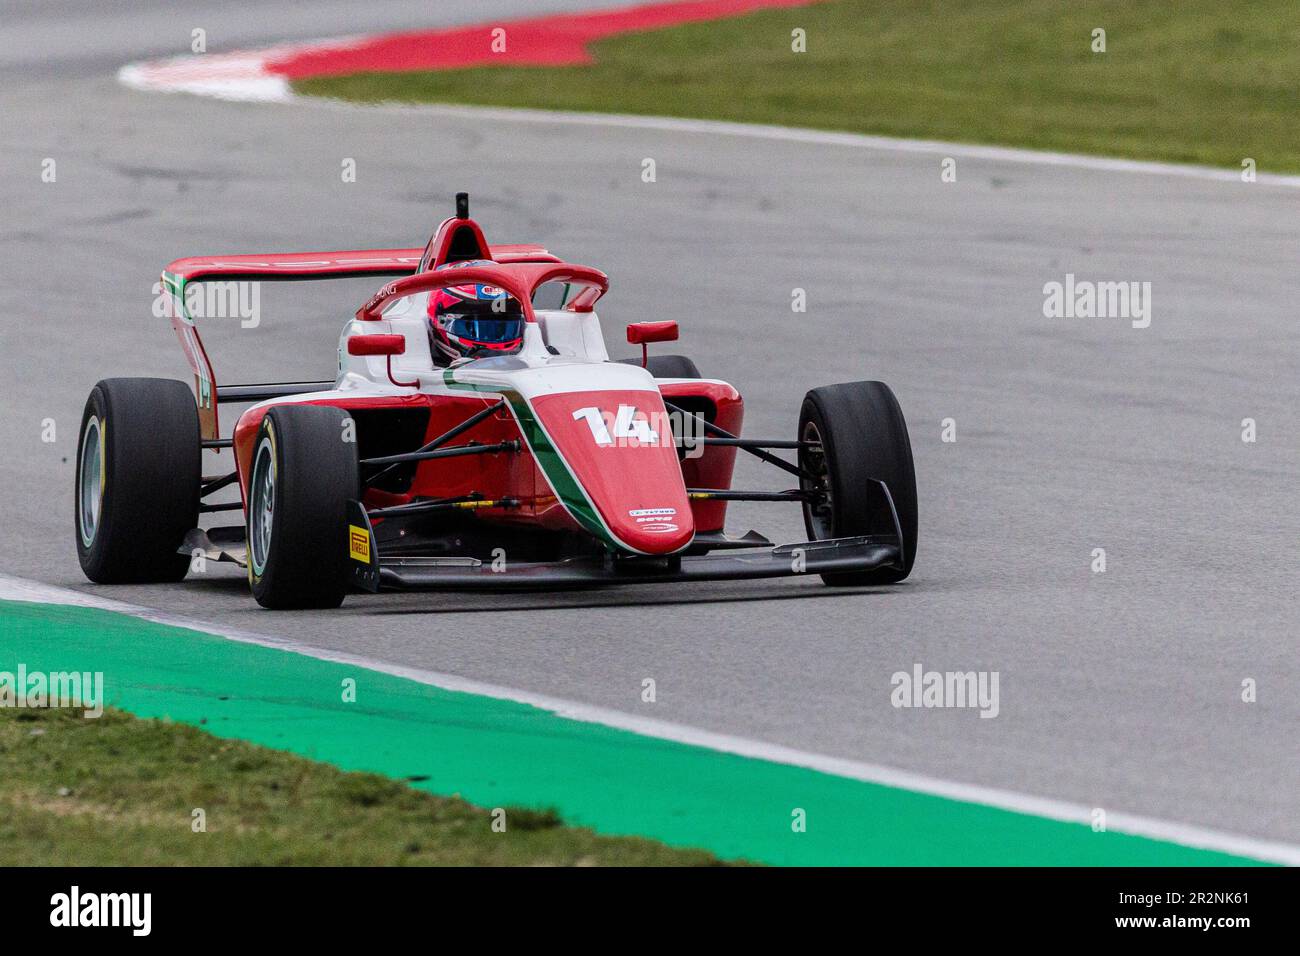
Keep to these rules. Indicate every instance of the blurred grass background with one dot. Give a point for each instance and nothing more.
(1196, 81)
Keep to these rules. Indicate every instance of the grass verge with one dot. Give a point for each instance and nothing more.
(1197, 81)
(122, 791)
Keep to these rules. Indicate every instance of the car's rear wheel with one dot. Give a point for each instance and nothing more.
(856, 432)
(667, 366)
(304, 470)
(139, 467)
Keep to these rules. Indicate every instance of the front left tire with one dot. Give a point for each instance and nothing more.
(303, 471)
(855, 432)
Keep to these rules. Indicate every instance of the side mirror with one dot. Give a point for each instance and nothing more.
(377, 344)
(639, 333)
(381, 344)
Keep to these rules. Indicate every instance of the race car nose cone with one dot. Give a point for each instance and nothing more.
(613, 462)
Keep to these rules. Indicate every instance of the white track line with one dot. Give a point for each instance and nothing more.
(242, 76)
(19, 589)
(790, 134)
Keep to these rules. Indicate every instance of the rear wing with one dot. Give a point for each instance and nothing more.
(282, 267)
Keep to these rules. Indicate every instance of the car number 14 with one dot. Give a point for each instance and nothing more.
(606, 430)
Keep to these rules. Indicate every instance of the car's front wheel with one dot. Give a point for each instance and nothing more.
(304, 470)
(853, 433)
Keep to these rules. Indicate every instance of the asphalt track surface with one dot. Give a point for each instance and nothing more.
(1118, 690)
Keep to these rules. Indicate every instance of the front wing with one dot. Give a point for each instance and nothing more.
(751, 556)
(810, 557)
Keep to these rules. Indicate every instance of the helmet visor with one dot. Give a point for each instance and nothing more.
(488, 331)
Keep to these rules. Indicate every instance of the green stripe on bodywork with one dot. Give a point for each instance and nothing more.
(548, 459)
(498, 753)
(174, 285)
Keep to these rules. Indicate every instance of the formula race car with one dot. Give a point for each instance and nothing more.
(477, 435)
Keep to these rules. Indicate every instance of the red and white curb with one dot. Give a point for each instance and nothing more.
(242, 76)
(549, 40)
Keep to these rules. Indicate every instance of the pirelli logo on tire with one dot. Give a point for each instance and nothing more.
(358, 544)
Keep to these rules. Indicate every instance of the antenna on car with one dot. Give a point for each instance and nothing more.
(462, 205)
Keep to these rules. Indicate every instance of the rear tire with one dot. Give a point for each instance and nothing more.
(667, 366)
(863, 435)
(139, 467)
(302, 474)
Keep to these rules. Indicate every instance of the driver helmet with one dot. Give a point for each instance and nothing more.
(473, 320)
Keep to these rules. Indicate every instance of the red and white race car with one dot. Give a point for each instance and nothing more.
(528, 458)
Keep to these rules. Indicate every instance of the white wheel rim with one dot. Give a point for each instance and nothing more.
(90, 493)
(261, 509)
